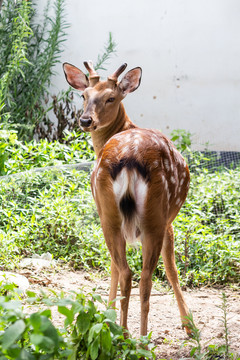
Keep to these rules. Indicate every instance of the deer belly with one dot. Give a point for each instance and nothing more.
(130, 191)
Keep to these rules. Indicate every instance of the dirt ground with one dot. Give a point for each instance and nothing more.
(164, 320)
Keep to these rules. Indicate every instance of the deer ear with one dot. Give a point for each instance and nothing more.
(131, 81)
(75, 77)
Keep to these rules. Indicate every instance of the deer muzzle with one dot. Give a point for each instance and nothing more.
(86, 122)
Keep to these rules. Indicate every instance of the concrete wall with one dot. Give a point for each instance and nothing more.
(190, 54)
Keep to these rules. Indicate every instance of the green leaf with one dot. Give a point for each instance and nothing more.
(52, 334)
(36, 339)
(35, 321)
(47, 313)
(83, 322)
(25, 355)
(13, 333)
(110, 314)
(192, 352)
(95, 330)
(106, 340)
(14, 351)
(12, 305)
(48, 344)
(115, 328)
(145, 353)
(94, 348)
(45, 323)
(66, 312)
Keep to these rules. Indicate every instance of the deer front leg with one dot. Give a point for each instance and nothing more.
(172, 274)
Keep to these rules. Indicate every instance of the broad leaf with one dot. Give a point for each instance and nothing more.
(13, 333)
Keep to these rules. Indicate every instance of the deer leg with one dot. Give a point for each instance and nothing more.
(125, 279)
(172, 274)
(120, 270)
(150, 250)
(114, 284)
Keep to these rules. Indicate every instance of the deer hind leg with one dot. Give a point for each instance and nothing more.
(114, 284)
(172, 275)
(151, 249)
(120, 270)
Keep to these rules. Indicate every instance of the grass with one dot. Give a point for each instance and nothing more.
(21, 156)
(54, 211)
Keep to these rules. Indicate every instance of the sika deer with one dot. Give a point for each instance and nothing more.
(139, 184)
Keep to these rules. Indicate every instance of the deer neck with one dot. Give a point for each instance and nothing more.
(121, 123)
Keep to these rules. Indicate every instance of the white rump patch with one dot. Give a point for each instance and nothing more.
(132, 182)
(120, 185)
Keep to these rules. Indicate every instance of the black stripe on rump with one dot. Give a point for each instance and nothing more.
(127, 206)
(130, 164)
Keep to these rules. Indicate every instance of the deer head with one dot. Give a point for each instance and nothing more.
(102, 99)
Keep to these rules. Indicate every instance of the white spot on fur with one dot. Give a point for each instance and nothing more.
(165, 183)
(95, 165)
(178, 201)
(136, 148)
(94, 192)
(107, 161)
(125, 150)
(168, 196)
(166, 164)
(94, 185)
(156, 138)
(99, 172)
(172, 179)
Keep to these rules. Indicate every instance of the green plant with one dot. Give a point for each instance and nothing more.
(19, 156)
(211, 352)
(7, 139)
(86, 332)
(207, 227)
(58, 206)
(30, 47)
(29, 52)
(182, 139)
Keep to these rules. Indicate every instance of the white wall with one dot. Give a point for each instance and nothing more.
(190, 54)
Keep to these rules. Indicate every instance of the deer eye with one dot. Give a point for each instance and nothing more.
(83, 97)
(110, 100)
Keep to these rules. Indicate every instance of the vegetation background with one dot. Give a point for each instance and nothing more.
(53, 210)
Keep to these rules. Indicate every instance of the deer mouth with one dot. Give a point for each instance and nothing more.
(88, 128)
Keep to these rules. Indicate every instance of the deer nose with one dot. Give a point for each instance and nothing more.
(85, 122)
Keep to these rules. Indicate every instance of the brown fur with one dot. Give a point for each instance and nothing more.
(139, 168)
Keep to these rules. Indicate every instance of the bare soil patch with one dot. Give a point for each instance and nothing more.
(164, 319)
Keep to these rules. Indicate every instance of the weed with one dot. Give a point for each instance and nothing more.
(212, 352)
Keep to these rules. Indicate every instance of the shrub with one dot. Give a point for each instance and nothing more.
(86, 333)
(19, 156)
(29, 52)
